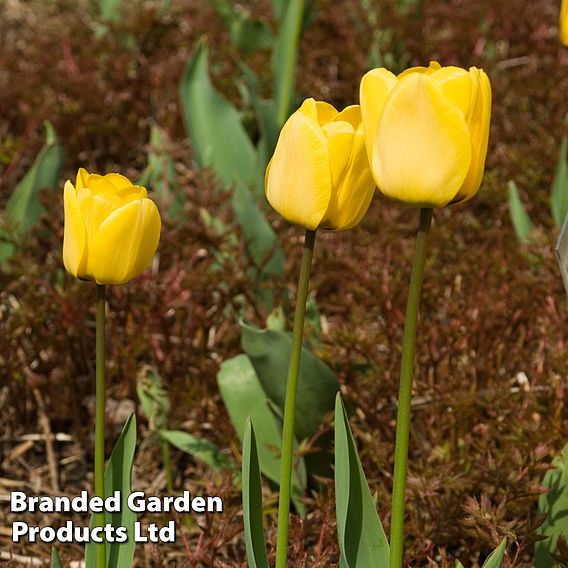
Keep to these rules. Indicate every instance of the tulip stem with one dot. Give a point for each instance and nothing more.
(290, 404)
(100, 418)
(405, 392)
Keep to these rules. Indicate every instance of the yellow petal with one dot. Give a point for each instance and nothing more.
(95, 208)
(457, 85)
(564, 22)
(432, 68)
(125, 243)
(339, 143)
(478, 125)
(350, 114)
(109, 183)
(298, 181)
(74, 234)
(82, 179)
(423, 151)
(373, 93)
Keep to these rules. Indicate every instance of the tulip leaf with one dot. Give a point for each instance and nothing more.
(459, 564)
(521, 221)
(55, 560)
(23, 208)
(118, 474)
(559, 196)
(269, 351)
(252, 501)
(201, 449)
(214, 126)
(495, 559)
(362, 540)
(154, 399)
(244, 396)
(554, 504)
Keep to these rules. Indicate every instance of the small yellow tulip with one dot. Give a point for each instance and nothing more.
(426, 132)
(319, 175)
(111, 229)
(564, 22)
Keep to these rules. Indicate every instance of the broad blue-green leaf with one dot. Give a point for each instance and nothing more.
(118, 474)
(559, 195)
(55, 560)
(201, 449)
(555, 505)
(269, 352)
(252, 502)
(23, 208)
(496, 557)
(247, 34)
(159, 176)
(521, 221)
(154, 400)
(214, 126)
(244, 396)
(362, 540)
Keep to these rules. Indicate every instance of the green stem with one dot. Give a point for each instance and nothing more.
(287, 56)
(290, 404)
(405, 393)
(100, 418)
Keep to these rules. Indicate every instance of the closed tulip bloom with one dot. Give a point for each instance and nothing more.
(426, 132)
(319, 176)
(111, 230)
(564, 22)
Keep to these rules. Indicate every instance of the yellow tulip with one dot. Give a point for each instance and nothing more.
(319, 175)
(111, 229)
(426, 132)
(564, 22)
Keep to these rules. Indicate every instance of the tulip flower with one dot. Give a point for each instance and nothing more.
(564, 22)
(111, 229)
(426, 132)
(319, 175)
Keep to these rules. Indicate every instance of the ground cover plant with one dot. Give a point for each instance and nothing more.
(489, 413)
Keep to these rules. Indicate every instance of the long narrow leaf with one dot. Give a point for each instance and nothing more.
(362, 540)
(55, 560)
(118, 475)
(559, 195)
(496, 557)
(252, 502)
(214, 126)
(521, 221)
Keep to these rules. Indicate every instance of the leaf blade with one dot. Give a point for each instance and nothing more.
(522, 223)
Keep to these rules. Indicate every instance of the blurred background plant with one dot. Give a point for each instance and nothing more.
(490, 415)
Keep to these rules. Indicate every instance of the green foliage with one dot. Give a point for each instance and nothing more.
(153, 398)
(55, 560)
(496, 557)
(269, 352)
(362, 540)
(23, 209)
(554, 504)
(118, 475)
(559, 196)
(252, 501)
(521, 221)
(159, 176)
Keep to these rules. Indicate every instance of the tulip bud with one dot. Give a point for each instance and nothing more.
(426, 132)
(111, 228)
(564, 22)
(319, 175)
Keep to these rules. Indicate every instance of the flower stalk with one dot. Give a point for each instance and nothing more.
(405, 392)
(290, 403)
(100, 418)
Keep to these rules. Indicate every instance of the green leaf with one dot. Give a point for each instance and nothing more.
(521, 221)
(111, 10)
(153, 398)
(118, 474)
(459, 564)
(362, 540)
(201, 449)
(244, 396)
(23, 209)
(496, 557)
(252, 502)
(555, 505)
(214, 126)
(269, 352)
(559, 195)
(55, 560)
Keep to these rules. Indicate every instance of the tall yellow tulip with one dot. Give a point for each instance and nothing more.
(319, 175)
(564, 22)
(111, 229)
(426, 132)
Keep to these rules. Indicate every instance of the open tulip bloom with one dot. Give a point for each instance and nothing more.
(110, 236)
